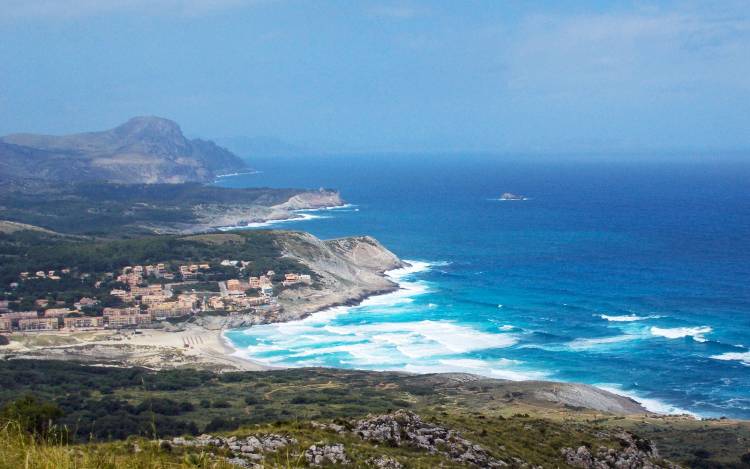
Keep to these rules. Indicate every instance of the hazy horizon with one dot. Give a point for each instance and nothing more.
(603, 78)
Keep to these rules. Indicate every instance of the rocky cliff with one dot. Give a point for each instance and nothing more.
(142, 150)
(348, 270)
(212, 215)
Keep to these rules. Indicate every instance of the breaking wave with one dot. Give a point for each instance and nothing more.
(697, 333)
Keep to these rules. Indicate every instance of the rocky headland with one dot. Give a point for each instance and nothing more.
(212, 216)
(144, 149)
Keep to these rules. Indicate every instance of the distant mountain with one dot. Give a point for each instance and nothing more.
(142, 150)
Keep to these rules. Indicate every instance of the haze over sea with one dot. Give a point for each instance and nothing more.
(630, 276)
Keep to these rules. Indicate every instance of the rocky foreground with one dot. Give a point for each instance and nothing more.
(407, 429)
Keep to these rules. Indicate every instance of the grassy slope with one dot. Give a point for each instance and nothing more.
(504, 417)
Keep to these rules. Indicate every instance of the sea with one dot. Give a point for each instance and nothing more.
(631, 276)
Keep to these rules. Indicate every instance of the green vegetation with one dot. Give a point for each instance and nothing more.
(100, 404)
(89, 260)
(117, 210)
(20, 449)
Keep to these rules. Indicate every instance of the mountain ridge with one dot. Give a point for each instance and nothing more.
(145, 149)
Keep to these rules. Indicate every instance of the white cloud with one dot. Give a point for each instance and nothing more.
(650, 50)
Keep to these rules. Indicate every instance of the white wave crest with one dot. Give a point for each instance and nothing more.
(627, 318)
(697, 333)
(298, 218)
(652, 405)
(743, 357)
(582, 344)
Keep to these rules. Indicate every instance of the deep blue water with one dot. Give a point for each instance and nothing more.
(630, 276)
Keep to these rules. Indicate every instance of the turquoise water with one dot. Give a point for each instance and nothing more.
(632, 277)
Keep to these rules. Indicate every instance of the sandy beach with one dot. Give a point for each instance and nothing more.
(191, 346)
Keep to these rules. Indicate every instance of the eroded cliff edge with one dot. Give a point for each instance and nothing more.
(348, 269)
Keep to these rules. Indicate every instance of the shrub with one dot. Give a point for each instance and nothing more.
(251, 400)
(33, 416)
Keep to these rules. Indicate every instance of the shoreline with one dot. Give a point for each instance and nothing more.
(201, 347)
(650, 405)
(295, 215)
(245, 173)
(331, 308)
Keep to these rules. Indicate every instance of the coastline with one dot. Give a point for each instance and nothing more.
(302, 214)
(210, 348)
(650, 406)
(336, 308)
(242, 173)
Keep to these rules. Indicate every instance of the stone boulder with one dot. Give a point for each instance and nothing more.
(407, 428)
(319, 455)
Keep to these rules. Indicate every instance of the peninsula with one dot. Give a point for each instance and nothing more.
(142, 177)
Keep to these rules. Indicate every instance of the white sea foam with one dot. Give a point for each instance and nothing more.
(264, 224)
(221, 176)
(436, 345)
(426, 338)
(652, 405)
(491, 368)
(697, 333)
(743, 357)
(627, 318)
(413, 268)
(582, 344)
(299, 215)
(342, 207)
(507, 327)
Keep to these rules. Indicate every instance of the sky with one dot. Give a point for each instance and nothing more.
(369, 75)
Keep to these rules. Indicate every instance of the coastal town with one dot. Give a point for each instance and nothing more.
(144, 296)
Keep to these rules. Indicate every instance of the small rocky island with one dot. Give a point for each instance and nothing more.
(511, 196)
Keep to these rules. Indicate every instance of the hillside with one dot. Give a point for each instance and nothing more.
(142, 399)
(119, 210)
(142, 150)
(303, 417)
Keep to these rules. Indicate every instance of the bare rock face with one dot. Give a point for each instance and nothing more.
(634, 453)
(323, 198)
(348, 270)
(319, 455)
(262, 209)
(407, 428)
